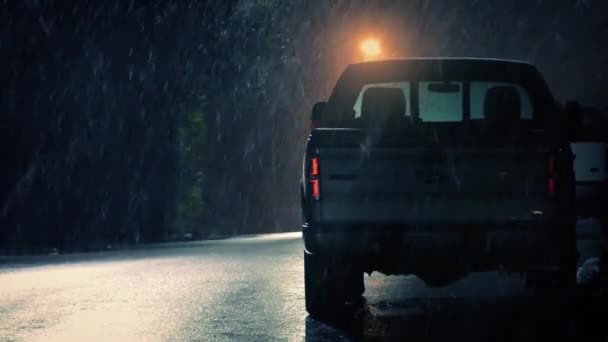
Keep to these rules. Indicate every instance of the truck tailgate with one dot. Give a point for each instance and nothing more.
(392, 184)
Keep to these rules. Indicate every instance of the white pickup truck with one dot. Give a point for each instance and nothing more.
(590, 148)
(436, 167)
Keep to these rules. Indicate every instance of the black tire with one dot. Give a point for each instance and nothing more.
(329, 285)
(555, 297)
(561, 280)
(556, 290)
(564, 278)
(543, 281)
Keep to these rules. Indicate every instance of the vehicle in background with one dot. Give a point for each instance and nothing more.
(590, 148)
(436, 167)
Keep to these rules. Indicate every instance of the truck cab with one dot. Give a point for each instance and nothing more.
(435, 167)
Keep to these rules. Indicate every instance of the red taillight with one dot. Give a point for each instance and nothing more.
(314, 166)
(315, 188)
(313, 176)
(551, 182)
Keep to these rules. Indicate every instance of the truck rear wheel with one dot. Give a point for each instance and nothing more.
(562, 280)
(329, 284)
(551, 280)
(557, 289)
(555, 294)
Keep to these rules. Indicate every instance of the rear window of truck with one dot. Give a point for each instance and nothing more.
(448, 106)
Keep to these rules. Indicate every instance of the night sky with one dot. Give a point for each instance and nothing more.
(130, 121)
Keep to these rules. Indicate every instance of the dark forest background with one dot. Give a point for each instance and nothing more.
(125, 122)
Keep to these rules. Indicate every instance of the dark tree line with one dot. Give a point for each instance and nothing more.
(133, 121)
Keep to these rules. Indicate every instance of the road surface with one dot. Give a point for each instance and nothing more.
(247, 289)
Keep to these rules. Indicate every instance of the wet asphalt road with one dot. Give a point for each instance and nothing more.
(249, 289)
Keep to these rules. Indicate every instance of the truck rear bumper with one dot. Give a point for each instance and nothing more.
(402, 249)
(432, 210)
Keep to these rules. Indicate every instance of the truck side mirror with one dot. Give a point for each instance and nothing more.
(315, 116)
(573, 124)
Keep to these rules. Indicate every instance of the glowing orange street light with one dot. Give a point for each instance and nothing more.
(371, 49)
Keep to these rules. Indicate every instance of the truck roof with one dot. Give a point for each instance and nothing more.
(455, 59)
(458, 67)
(524, 74)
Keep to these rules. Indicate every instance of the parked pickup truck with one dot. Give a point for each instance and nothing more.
(436, 167)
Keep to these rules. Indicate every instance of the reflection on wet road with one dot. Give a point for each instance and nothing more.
(244, 289)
